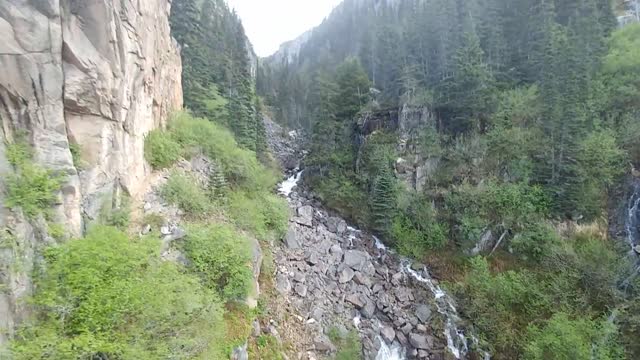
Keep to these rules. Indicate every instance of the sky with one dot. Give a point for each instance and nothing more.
(269, 23)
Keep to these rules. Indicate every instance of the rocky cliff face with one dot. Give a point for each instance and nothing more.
(95, 75)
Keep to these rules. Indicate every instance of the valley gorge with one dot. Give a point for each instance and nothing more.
(410, 179)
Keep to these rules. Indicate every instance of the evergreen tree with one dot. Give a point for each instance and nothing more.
(383, 201)
(468, 94)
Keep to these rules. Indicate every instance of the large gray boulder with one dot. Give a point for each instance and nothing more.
(305, 216)
(355, 259)
(291, 239)
(423, 312)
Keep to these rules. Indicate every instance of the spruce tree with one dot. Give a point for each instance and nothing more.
(383, 201)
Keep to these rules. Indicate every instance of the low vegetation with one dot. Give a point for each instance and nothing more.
(31, 188)
(106, 296)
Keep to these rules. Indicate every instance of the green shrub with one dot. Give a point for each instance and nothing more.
(33, 189)
(348, 345)
(76, 155)
(241, 166)
(220, 255)
(107, 297)
(160, 150)
(120, 216)
(417, 241)
(276, 214)
(563, 338)
(536, 242)
(183, 191)
(19, 153)
(501, 306)
(261, 214)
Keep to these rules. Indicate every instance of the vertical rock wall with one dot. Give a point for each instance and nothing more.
(94, 74)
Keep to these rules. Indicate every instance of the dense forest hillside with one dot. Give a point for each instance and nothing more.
(491, 139)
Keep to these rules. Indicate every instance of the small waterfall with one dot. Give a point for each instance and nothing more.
(632, 228)
(286, 187)
(395, 352)
(457, 341)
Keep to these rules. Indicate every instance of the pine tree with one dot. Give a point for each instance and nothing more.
(383, 201)
(468, 94)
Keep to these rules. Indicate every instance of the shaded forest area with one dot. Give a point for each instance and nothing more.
(533, 124)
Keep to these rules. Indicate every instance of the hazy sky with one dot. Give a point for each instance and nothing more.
(269, 23)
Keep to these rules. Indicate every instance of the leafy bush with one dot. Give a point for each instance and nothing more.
(416, 241)
(348, 345)
(76, 155)
(501, 306)
(563, 338)
(536, 242)
(259, 213)
(105, 296)
(120, 216)
(276, 214)
(503, 208)
(183, 191)
(241, 166)
(33, 189)
(160, 150)
(221, 257)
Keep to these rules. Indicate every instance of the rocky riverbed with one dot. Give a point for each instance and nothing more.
(330, 275)
(336, 276)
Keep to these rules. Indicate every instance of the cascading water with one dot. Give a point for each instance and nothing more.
(632, 228)
(457, 342)
(286, 187)
(395, 352)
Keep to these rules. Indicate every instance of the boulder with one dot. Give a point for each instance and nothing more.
(299, 277)
(388, 334)
(332, 224)
(368, 310)
(346, 275)
(423, 312)
(355, 300)
(323, 344)
(282, 284)
(305, 216)
(355, 259)
(336, 249)
(362, 279)
(301, 290)
(420, 341)
(342, 227)
(291, 239)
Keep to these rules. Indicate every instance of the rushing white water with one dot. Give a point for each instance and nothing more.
(286, 187)
(632, 227)
(395, 352)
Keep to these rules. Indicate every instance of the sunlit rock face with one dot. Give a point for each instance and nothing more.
(97, 75)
